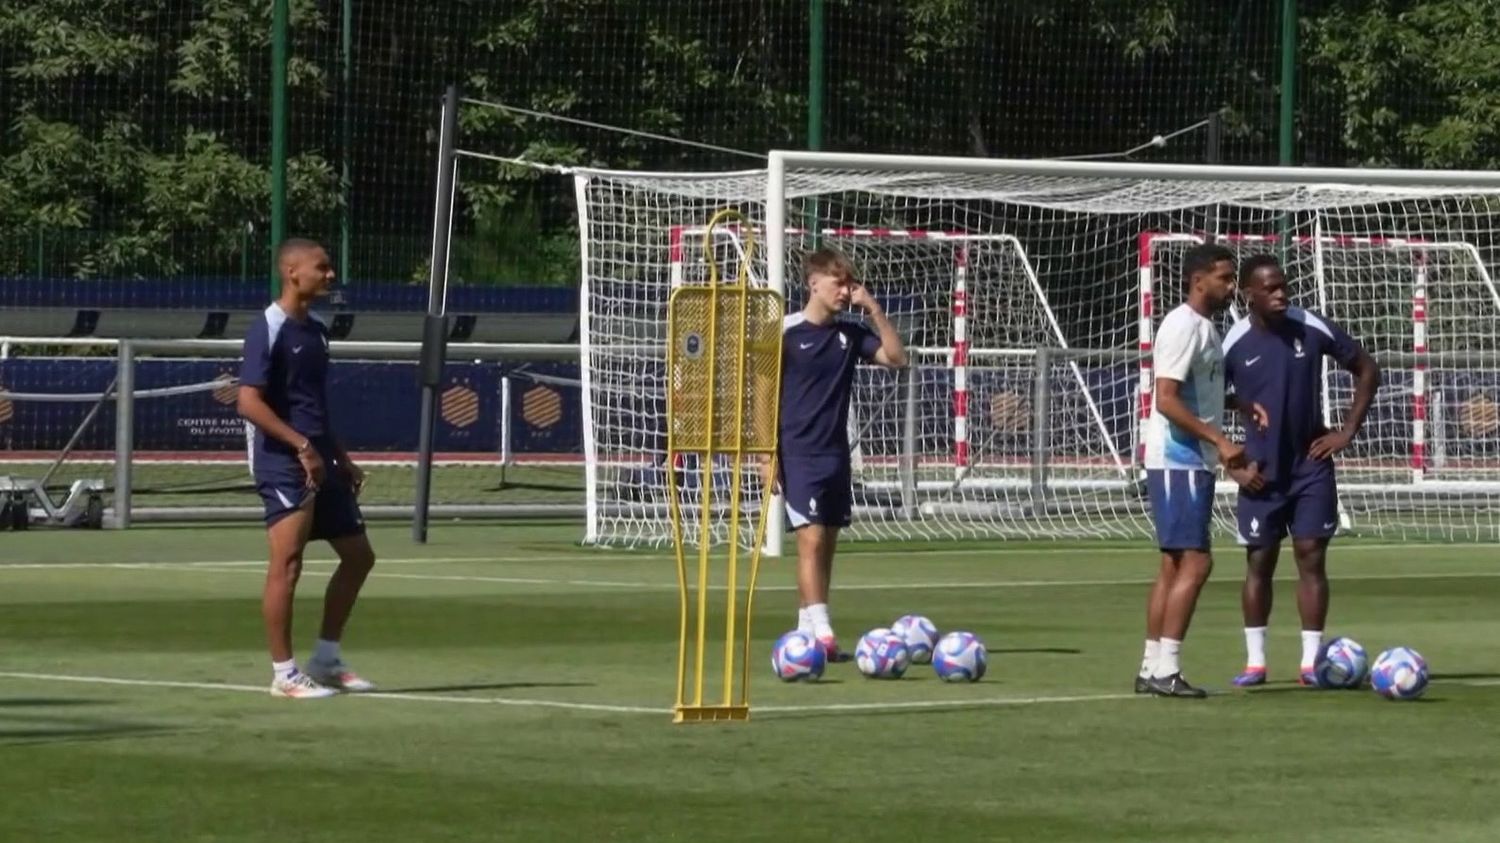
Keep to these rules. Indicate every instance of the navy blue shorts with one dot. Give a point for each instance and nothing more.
(282, 485)
(1182, 507)
(818, 490)
(1305, 508)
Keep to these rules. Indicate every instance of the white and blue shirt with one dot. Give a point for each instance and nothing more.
(288, 360)
(1280, 367)
(1187, 350)
(817, 381)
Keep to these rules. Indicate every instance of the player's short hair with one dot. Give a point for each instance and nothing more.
(1255, 262)
(1201, 258)
(828, 262)
(292, 245)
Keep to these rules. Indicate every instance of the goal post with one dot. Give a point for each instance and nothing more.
(1027, 293)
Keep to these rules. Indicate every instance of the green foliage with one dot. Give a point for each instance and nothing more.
(1419, 82)
(136, 139)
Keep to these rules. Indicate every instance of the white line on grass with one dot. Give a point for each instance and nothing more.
(378, 695)
(606, 555)
(641, 585)
(605, 708)
(958, 703)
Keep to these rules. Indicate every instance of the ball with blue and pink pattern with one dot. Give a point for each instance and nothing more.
(920, 635)
(1341, 663)
(798, 657)
(960, 657)
(881, 654)
(1399, 673)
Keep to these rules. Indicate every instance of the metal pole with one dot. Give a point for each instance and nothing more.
(1041, 426)
(1213, 154)
(815, 66)
(346, 118)
(1288, 79)
(815, 74)
(435, 327)
(124, 431)
(279, 25)
(909, 444)
(505, 430)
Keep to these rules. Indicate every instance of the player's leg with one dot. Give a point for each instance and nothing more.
(1314, 520)
(337, 519)
(816, 544)
(287, 534)
(1261, 523)
(1156, 610)
(1255, 605)
(1312, 599)
(1183, 533)
(819, 503)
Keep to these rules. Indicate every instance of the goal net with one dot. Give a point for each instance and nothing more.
(1028, 297)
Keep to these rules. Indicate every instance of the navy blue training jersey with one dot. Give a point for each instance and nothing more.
(288, 360)
(817, 380)
(1281, 368)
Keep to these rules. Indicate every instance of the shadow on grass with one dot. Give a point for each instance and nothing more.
(69, 731)
(490, 686)
(48, 702)
(1053, 651)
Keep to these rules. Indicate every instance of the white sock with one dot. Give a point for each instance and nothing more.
(284, 670)
(818, 614)
(1312, 640)
(804, 621)
(326, 652)
(1255, 646)
(1148, 661)
(1166, 658)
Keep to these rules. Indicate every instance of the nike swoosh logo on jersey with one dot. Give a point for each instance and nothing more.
(1253, 360)
(296, 349)
(804, 345)
(1330, 525)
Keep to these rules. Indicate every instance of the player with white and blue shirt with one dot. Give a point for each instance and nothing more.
(1184, 442)
(1273, 361)
(305, 478)
(819, 354)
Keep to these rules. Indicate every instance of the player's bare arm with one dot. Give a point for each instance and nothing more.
(892, 351)
(1169, 403)
(1366, 374)
(253, 408)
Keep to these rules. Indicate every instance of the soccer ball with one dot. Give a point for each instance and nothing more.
(797, 656)
(881, 654)
(1341, 663)
(1399, 673)
(960, 657)
(920, 635)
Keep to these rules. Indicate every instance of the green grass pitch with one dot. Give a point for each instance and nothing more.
(527, 680)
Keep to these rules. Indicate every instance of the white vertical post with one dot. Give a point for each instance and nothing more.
(961, 363)
(1144, 330)
(585, 346)
(124, 432)
(776, 280)
(1419, 369)
(505, 427)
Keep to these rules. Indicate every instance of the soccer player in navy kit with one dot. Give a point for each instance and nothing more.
(1273, 362)
(819, 353)
(305, 478)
